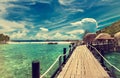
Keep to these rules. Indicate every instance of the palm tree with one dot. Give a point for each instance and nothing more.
(7, 38)
(1, 37)
(4, 38)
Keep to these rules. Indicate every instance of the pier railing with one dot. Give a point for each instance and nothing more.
(111, 69)
(57, 64)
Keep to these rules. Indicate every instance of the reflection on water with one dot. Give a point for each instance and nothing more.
(16, 59)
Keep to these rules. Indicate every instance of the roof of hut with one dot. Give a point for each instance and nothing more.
(117, 35)
(89, 37)
(103, 36)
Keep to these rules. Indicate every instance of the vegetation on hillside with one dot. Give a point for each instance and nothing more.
(4, 38)
(112, 29)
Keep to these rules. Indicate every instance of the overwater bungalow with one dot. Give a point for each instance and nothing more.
(105, 41)
(117, 41)
(89, 38)
(117, 38)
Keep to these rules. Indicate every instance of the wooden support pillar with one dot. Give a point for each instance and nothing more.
(35, 69)
(108, 46)
(101, 59)
(64, 57)
(90, 46)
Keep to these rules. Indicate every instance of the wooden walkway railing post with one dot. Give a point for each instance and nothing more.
(64, 57)
(69, 49)
(72, 47)
(60, 63)
(35, 69)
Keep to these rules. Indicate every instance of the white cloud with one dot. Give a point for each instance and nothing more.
(16, 30)
(80, 31)
(65, 2)
(85, 20)
(5, 5)
(106, 0)
(75, 30)
(59, 36)
(76, 23)
(42, 36)
(33, 2)
(2, 9)
(8, 26)
(44, 1)
(20, 34)
(55, 36)
(44, 29)
(6, 30)
(89, 20)
(89, 24)
(75, 10)
(7, 1)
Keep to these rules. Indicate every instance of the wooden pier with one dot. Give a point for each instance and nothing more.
(82, 64)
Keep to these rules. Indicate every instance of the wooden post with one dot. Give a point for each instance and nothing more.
(64, 57)
(60, 63)
(73, 46)
(69, 49)
(35, 69)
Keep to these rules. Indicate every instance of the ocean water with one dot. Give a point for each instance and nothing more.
(114, 58)
(16, 59)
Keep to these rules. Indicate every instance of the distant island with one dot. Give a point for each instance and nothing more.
(4, 39)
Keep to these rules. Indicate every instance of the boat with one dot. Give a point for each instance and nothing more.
(52, 43)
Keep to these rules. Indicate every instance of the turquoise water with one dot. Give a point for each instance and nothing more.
(114, 58)
(16, 59)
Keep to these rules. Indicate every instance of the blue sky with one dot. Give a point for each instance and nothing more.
(56, 19)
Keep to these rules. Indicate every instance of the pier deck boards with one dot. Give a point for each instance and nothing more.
(82, 64)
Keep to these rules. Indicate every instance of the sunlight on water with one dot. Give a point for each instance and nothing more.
(16, 59)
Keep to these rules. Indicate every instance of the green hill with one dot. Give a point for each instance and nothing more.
(112, 29)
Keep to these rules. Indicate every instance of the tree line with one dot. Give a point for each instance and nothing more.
(4, 38)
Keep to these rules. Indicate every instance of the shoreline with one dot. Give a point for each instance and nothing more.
(60, 42)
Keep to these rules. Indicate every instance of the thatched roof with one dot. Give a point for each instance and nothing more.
(103, 36)
(89, 37)
(117, 35)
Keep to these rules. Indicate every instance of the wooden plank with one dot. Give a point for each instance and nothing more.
(64, 70)
(100, 72)
(87, 65)
(93, 67)
(90, 64)
(66, 67)
(72, 66)
(100, 69)
(82, 64)
(79, 57)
